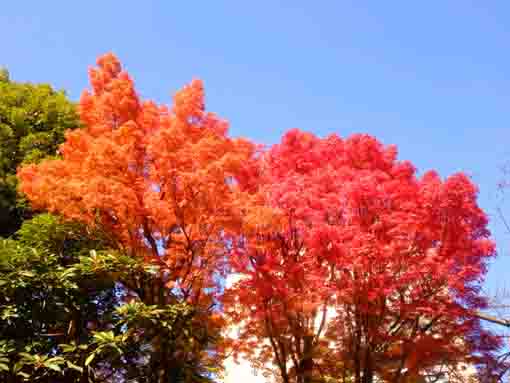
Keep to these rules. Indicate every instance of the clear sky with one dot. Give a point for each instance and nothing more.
(432, 77)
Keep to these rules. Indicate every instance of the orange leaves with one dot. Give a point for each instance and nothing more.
(109, 65)
(161, 180)
(114, 100)
(312, 225)
(189, 101)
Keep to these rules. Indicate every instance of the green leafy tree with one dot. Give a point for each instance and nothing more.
(70, 313)
(46, 302)
(33, 119)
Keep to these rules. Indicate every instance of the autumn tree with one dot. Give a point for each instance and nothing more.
(159, 182)
(364, 271)
(33, 118)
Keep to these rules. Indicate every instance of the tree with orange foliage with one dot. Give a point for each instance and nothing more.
(160, 182)
(368, 273)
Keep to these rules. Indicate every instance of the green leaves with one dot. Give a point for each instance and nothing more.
(90, 358)
(36, 366)
(46, 300)
(3, 364)
(4, 75)
(74, 366)
(33, 119)
(22, 267)
(168, 317)
(51, 234)
(8, 313)
(104, 262)
(105, 341)
(6, 350)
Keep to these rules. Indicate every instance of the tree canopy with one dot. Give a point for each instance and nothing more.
(160, 183)
(369, 271)
(33, 119)
(349, 266)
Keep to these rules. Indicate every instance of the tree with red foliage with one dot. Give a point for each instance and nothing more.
(366, 271)
(160, 182)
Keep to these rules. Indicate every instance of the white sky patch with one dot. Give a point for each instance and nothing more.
(240, 371)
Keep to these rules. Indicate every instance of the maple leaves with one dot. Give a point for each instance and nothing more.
(154, 178)
(344, 252)
(396, 257)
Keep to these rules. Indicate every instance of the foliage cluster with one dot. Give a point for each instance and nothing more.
(33, 119)
(349, 267)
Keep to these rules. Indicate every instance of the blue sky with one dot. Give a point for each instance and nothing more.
(432, 77)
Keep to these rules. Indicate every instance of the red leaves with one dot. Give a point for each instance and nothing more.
(377, 244)
(315, 226)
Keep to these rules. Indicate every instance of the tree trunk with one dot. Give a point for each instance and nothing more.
(307, 362)
(368, 372)
(84, 378)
